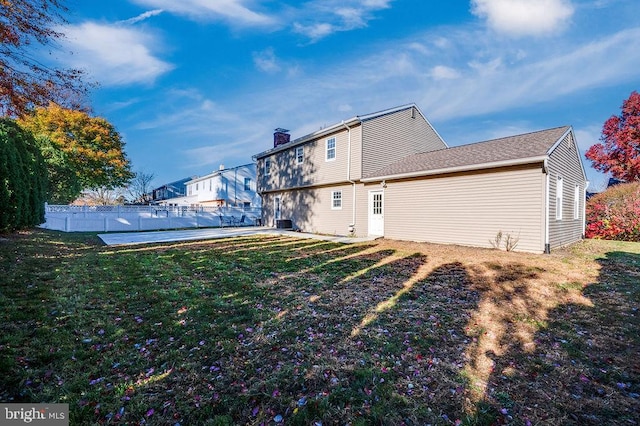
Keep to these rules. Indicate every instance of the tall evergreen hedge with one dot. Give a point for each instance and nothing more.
(23, 178)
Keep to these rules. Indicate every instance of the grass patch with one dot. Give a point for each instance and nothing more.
(256, 330)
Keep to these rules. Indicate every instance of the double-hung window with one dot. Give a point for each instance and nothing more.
(576, 202)
(299, 155)
(336, 200)
(267, 166)
(559, 185)
(331, 149)
(247, 184)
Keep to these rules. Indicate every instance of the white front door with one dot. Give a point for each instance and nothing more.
(376, 213)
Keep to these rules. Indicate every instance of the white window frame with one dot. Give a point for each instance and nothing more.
(576, 202)
(267, 166)
(336, 200)
(559, 197)
(299, 151)
(330, 153)
(247, 184)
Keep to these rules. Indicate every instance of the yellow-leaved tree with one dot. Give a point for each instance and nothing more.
(92, 148)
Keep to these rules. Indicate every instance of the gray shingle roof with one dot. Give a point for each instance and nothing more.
(475, 155)
(334, 127)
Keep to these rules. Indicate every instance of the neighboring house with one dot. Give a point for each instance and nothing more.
(169, 191)
(233, 187)
(390, 174)
(613, 182)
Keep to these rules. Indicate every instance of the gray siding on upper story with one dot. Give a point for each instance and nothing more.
(285, 173)
(565, 161)
(388, 138)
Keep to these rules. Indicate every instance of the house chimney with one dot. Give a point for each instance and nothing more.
(280, 137)
(221, 167)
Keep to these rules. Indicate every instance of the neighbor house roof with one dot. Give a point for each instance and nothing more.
(358, 119)
(513, 150)
(220, 171)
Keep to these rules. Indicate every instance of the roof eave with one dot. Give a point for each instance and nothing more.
(471, 167)
(311, 136)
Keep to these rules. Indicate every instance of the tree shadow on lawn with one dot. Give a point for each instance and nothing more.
(137, 319)
(219, 332)
(381, 342)
(582, 365)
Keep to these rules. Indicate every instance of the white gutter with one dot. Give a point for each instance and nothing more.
(352, 225)
(471, 167)
(547, 246)
(311, 136)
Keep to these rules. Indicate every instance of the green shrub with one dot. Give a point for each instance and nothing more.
(23, 178)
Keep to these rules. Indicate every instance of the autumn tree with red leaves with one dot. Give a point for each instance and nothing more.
(25, 80)
(619, 152)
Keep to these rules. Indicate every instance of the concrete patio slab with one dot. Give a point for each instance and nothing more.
(150, 237)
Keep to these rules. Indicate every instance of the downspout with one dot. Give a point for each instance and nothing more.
(547, 245)
(235, 187)
(352, 226)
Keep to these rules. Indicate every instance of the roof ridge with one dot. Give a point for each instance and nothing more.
(386, 111)
(515, 136)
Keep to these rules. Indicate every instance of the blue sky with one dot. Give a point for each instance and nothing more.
(192, 84)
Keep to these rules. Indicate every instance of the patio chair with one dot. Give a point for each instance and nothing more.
(228, 220)
(239, 222)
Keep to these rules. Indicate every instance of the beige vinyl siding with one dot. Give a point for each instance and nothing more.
(286, 173)
(565, 161)
(310, 210)
(362, 209)
(391, 137)
(469, 208)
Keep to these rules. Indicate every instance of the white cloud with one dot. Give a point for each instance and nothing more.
(486, 68)
(524, 17)
(474, 80)
(266, 61)
(142, 16)
(494, 86)
(234, 11)
(441, 43)
(419, 47)
(587, 136)
(314, 31)
(112, 54)
(320, 18)
(481, 74)
(441, 72)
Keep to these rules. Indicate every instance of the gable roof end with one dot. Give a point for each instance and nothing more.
(573, 140)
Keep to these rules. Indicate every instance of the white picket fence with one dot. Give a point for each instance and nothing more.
(144, 218)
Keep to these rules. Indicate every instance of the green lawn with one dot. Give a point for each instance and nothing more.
(272, 329)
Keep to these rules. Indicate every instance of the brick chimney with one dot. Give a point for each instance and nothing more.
(280, 137)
